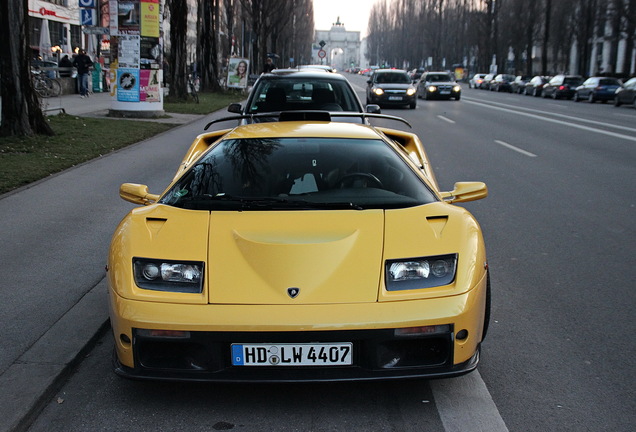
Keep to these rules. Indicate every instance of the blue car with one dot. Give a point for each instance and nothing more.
(597, 89)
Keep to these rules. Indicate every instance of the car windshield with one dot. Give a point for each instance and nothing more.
(306, 93)
(299, 174)
(392, 78)
(438, 78)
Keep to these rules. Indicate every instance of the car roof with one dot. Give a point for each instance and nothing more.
(302, 73)
(390, 71)
(298, 129)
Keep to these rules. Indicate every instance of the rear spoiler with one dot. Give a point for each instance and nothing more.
(312, 115)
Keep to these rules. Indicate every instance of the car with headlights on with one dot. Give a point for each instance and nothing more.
(438, 85)
(300, 90)
(391, 87)
(299, 250)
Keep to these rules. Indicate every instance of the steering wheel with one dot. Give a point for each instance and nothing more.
(368, 180)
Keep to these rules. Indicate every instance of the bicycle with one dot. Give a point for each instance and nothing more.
(193, 87)
(44, 86)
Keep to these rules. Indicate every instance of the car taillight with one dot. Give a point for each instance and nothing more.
(562, 87)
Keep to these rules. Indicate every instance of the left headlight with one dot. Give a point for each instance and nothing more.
(457, 88)
(432, 88)
(166, 275)
(411, 91)
(378, 91)
(418, 273)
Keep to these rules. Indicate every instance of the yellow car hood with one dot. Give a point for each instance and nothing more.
(324, 257)
(328, 256)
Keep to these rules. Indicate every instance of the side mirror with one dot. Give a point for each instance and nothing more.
(235, 108)
(374, 109)
(369, 82)
(466, 191)
(137, 194)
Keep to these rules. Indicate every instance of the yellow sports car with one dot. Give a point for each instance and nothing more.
(301, 250)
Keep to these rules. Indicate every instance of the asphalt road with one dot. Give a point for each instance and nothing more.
(559, 229)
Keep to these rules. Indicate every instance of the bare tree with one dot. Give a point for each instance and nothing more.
(178, 48)
(21, 112)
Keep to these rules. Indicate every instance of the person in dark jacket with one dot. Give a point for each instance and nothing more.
(83, 63)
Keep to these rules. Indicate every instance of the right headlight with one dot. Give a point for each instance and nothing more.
(418, 273)
(166, 275)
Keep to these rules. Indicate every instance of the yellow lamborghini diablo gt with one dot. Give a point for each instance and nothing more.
(299, 251)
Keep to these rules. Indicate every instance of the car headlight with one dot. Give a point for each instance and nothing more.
(418, 273)
(432, 88)
(411, 91)
(165, 275)
(457, 88)
(378, 91)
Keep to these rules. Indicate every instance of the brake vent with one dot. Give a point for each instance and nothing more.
(437, 223)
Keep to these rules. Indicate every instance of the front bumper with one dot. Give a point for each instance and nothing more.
(378, 353)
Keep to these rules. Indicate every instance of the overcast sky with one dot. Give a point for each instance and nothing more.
(354, 14)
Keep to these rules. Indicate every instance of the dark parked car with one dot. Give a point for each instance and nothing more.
(535, 85)
(561, 86)
(391, 87)
(438, 85)
(502, 82)
(485, 84)
(597, 89)
(626, 94)
(293, 90)
(476, 80)
(519, 83)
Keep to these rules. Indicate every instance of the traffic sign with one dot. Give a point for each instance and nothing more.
(88, 17)
(322, 53)
(87, 3)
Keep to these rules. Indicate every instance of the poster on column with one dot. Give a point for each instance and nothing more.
(150, 18)
(149, 85)
(127, 85)
(128, 17)
(128, 51)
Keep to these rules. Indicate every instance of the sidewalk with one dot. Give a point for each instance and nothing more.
(98, 105)
(44, 224)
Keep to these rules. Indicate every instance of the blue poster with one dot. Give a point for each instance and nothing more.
(128, 85)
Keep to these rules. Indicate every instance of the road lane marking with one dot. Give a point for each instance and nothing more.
(464, 404)
(446, 119)
(517, 149)
(513, 108)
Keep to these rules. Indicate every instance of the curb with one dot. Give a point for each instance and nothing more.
(32, 380)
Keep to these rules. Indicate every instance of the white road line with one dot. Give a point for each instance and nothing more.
(446, 119)
(514, 109)
(517, 149)
(465, 405)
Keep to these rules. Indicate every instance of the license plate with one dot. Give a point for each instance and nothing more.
(312, 354)
(395, 97)
(445, 92)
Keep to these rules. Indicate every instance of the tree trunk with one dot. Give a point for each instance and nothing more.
(178, 50)
(21, 112)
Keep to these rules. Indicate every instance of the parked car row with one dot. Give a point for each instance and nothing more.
(562, 86)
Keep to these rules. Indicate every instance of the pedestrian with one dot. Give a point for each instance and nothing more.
(82, 63)
(269, 65)
(65, 66)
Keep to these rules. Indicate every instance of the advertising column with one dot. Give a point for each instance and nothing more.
(136, 58)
